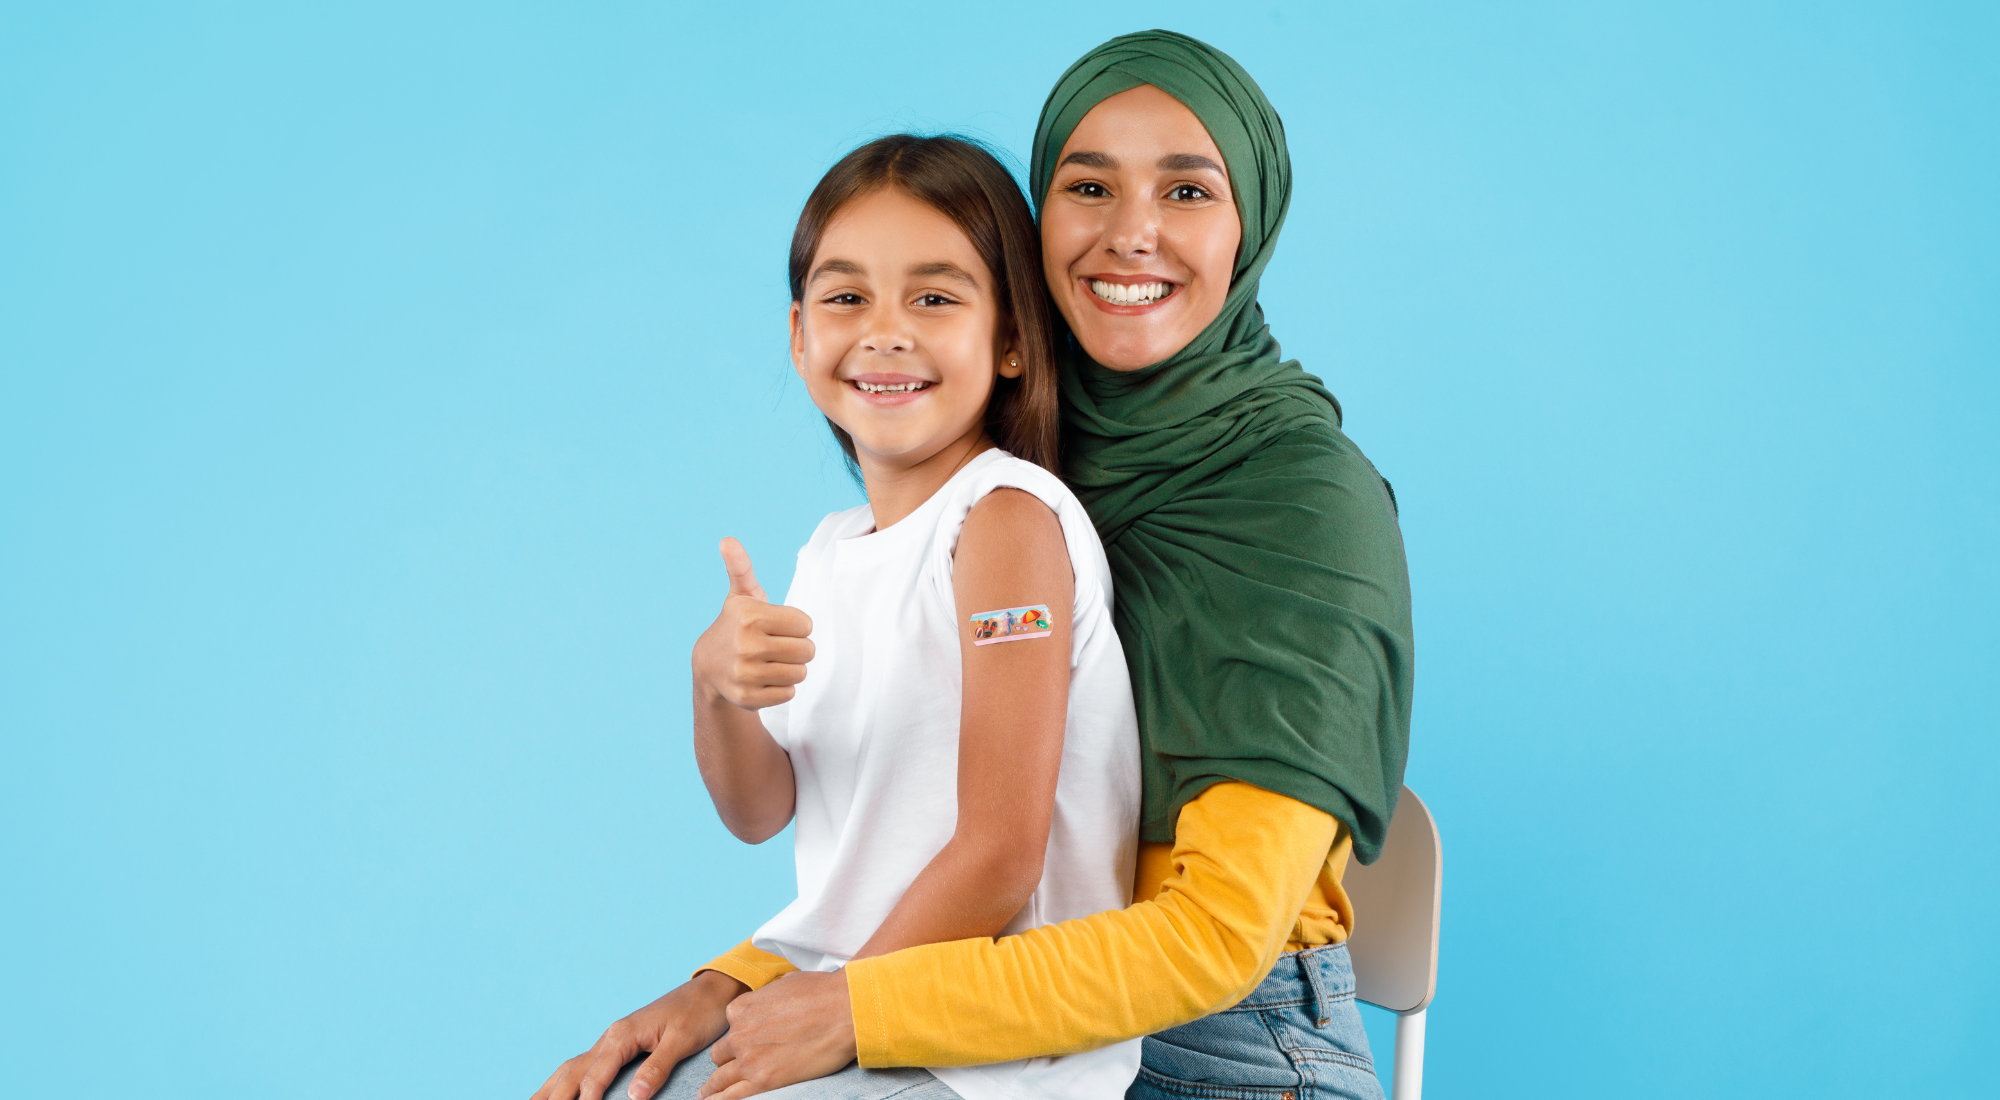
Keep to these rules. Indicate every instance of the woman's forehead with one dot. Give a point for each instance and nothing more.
(1144, 123)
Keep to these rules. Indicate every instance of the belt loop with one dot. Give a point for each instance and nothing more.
(1315, 983)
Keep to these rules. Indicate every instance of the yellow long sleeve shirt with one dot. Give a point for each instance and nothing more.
(1250, 874)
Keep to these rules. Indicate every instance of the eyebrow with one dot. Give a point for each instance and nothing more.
(835, 267)
(1090, 160)
(1172, 162)
(939, 269)
(1189, 162)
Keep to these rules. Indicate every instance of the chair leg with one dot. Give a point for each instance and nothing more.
(1409, 1080)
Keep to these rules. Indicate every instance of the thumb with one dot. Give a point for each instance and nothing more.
(742, 581)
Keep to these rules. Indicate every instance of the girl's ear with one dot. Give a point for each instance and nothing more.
(798, 339)
(1010, 362)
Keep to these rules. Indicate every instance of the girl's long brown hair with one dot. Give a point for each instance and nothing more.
(962, 180)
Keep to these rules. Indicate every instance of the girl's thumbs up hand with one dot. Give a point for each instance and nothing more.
(755, 651)
(742, 579)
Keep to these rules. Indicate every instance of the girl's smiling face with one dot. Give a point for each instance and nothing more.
(1139, 229)
(898, 336)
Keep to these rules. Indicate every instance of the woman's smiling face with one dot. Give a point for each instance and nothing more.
(896, 335)
(1139, 229)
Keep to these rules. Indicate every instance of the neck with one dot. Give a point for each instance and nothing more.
(897, 488)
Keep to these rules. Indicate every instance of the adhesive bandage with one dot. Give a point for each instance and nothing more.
(1011, 625)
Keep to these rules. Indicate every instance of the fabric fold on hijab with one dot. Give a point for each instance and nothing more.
(1262, 595)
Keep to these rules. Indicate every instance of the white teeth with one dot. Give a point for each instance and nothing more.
(900, 387)
(1138, 294)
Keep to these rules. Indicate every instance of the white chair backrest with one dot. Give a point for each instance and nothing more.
(1394, 948)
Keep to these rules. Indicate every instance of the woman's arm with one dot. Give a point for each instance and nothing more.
(750, 966)
(751, 657)
(1014, 705)
(1245, 860)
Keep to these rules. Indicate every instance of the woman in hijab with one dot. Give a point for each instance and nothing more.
(1263, 603)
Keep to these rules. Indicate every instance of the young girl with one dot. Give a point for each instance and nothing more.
(940, 704)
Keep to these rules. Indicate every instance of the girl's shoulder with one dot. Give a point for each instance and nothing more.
(997, 469)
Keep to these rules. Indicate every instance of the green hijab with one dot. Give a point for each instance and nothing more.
(1261, 592)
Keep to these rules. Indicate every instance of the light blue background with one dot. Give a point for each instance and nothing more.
(376, 380)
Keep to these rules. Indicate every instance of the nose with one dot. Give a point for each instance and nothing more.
(1133, 231)
(887, 334)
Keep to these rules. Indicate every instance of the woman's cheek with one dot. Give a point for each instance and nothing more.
(1066, 237)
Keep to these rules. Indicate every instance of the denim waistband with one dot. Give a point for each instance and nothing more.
(1318, 976)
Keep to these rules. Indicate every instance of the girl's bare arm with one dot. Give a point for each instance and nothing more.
(1011, 553)
(751, 657)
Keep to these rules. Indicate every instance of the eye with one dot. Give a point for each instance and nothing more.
(1188, 192)
(934, 300)
(845, 298)
(1088, 189)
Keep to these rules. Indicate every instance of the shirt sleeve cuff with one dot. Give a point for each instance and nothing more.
(872, 1048)
(750, 966)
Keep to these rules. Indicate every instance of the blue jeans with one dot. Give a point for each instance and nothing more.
(852, 1083)
(1298, 1036)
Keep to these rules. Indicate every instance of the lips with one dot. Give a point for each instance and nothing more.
(1127, 295)
(1130, 294)
(884, 388)
(890, 387)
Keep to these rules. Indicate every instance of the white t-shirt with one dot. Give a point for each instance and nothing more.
(873, 737)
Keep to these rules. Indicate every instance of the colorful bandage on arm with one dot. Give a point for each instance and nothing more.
(1011, 624)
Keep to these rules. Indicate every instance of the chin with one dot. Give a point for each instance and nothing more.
(1126, 350)
(897, 451)
(1125, 356)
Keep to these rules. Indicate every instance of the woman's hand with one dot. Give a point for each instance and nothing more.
(677, 1025)
(798, 1028)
